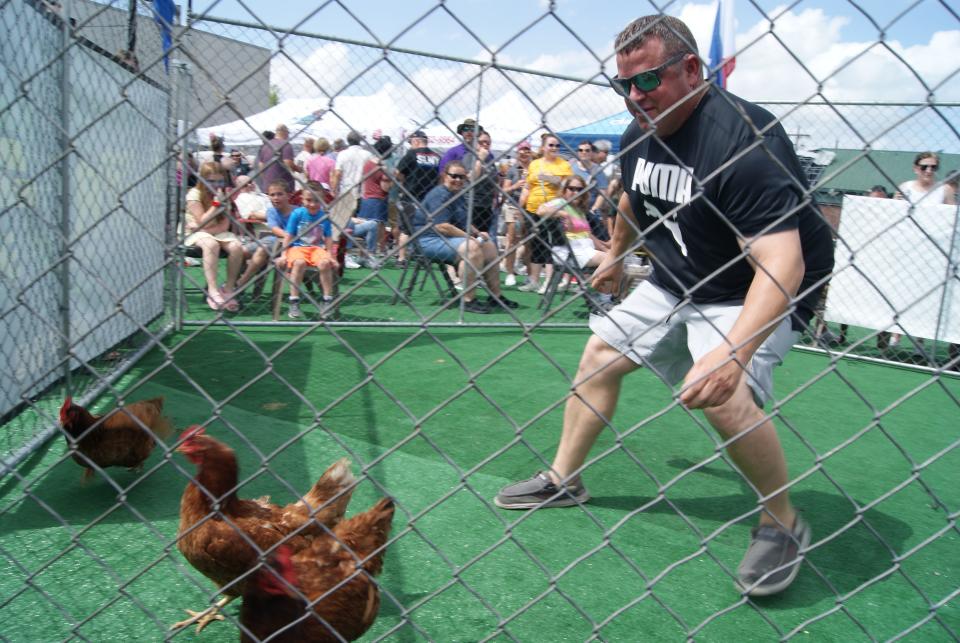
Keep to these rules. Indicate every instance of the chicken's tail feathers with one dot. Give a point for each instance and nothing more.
(331, 494)
(156, 402)
(367, 533)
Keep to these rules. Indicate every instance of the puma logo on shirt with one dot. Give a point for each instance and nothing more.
(664, 181)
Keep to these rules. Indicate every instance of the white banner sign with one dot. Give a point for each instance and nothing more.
(896, 268)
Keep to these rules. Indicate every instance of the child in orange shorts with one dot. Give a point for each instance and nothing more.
(308, 243)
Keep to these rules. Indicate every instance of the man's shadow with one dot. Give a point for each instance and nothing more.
(853, 549)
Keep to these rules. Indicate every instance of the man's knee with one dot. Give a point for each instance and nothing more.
(473, 255)
(737, 414)
(600, 359)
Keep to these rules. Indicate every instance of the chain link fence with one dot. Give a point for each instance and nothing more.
(103, 300)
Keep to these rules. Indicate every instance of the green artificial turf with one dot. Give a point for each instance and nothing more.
(440, 419)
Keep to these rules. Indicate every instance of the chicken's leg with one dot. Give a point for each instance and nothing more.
(204, 618)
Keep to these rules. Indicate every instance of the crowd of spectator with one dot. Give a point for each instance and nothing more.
(477, 209)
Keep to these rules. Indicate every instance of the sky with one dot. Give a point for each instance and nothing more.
(807, 50)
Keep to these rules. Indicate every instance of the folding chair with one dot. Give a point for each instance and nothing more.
(569, 268)
(418, 263)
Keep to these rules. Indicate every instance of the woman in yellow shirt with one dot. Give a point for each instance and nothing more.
(544, 178)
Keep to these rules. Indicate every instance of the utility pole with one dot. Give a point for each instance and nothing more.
(798, 135)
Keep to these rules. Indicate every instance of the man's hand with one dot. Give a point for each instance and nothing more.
(608, 275)
(712, 380)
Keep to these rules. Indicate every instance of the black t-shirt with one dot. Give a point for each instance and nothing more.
(713, 181)
(419, 168)
(487, 185)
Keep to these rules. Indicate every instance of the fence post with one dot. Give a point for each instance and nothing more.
(183, 131)
(65, 195)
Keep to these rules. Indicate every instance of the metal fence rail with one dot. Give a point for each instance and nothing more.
(101, 300)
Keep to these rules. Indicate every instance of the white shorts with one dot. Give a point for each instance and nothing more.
(203, 234)
(583, 252)
(655, 329)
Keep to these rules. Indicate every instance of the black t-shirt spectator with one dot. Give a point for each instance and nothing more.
(715, 180)
(419, 168)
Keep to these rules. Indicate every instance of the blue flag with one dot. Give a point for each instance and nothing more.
(163, 11)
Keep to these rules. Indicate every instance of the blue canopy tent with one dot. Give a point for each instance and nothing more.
(609, 128)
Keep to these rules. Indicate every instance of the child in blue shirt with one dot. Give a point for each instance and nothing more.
(307, 242)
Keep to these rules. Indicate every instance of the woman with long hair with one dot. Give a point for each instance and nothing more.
(572, 210)
(208, 228)
(544, 178)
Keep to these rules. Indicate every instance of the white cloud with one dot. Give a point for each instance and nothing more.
(327, 67)
(800, 54)
(805, 52)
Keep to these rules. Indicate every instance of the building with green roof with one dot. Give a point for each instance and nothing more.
(856, 171)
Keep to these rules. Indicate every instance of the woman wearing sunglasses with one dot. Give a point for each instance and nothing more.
(924, 188)
(544, 178)
(571, 209)
(441, 228)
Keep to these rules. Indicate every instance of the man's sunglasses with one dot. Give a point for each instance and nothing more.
(933, 167)
(645, 81)
(456, 177)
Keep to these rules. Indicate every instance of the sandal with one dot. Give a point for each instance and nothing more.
(230, 303)
(214, 300)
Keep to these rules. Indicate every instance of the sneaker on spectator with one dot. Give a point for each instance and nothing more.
(529, 286)
(501, 301)
(327, 308)
(542, 290)
(510, 281)
(476, 306)
(520, 269)
(773, 559)
(294, 312)
(350, 263)
(540, 491)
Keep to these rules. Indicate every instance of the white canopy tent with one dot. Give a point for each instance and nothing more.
(313, 118)
(509, 119)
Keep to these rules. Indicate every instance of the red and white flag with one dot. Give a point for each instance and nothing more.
(722, 49)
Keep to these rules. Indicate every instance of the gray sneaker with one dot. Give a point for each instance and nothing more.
(773, 559)
(327, 308)
(539, 491)
(293, 311)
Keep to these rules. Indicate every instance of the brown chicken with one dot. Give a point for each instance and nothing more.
(334, 573)
(119, 438)
(218, 529)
